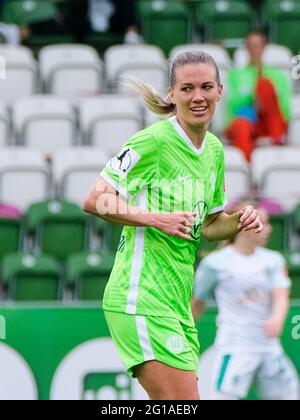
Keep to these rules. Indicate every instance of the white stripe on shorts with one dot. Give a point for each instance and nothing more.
(144, 338)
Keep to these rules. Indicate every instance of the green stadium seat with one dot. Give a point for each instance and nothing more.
(87, 274)
(296, 219)
(282, 17)
(206, 247)
(59, 228)
(24, 12)
(164, 23)
(10, 236)
(110, 235)
(224, 21)
(31, 278)
(293, 265)
(278, 240)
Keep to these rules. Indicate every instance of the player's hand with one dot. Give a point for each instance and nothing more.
(273, 327)
(175, 224)
(250, 220)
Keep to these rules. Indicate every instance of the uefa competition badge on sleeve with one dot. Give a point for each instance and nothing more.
(124, 162)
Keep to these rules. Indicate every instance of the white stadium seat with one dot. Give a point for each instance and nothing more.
(24, 177)
(146, 62)
(294, 127)
(76, 169)
(4, 125)
(45, 123)
(21, 73)
(109, 121)
(276, 171)
(219, 53)
(71, 70)
(151, 117)
(274, 55)
(237, 174)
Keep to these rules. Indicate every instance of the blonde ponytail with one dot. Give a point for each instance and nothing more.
(153, 100)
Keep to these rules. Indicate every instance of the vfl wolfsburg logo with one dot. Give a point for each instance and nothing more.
(175, 344)
(201, 208)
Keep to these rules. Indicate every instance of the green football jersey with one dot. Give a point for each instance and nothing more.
(160, 170)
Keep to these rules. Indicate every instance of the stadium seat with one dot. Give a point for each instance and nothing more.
(24, 12)
(31, 278)
(24, 177)
(282, 18)
(293, 266)
(277, 56)
(145, 62)
(21, 73)
(227, 22)
(71, 70)
(109, 121)
(111, 235)
(219, 53)
(45, 123)
(75, 170)
(294, 127)
(205, 248)
(276, 172)
(87, 273)
(296, 218)
(279, 238)
(151, 118)
(4, 125)
(10, 236)
(237, 174)
(165, 23)
(59, 228)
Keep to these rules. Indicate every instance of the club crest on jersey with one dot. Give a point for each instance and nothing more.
(201, 208)
(124, 162)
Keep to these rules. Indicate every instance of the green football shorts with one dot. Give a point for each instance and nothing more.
(142, 338)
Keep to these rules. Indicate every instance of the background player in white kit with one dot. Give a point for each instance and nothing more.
(251, 288)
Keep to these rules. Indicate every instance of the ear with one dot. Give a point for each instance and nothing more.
(171, 95)
(220, 92)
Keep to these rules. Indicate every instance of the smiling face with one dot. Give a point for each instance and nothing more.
(195, 94)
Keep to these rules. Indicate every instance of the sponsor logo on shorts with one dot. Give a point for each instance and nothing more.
(175, 344)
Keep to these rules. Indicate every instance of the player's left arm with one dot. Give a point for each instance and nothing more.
(221, 226)
(280, 307)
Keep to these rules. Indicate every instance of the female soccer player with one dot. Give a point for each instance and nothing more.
(251, 287)
(166, 186)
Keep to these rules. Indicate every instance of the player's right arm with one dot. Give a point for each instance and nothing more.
(105, 202)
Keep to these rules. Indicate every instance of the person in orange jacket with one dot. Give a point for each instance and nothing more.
(259, 99)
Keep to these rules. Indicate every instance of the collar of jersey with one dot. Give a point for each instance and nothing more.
(185, 137)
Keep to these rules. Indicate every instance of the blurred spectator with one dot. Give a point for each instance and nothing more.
(116, 16)
(13, 34)
(259, 100)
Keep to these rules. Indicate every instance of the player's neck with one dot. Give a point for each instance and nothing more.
(244, 248)
(195, 134)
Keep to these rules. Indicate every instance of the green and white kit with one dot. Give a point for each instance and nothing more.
(160, 170)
